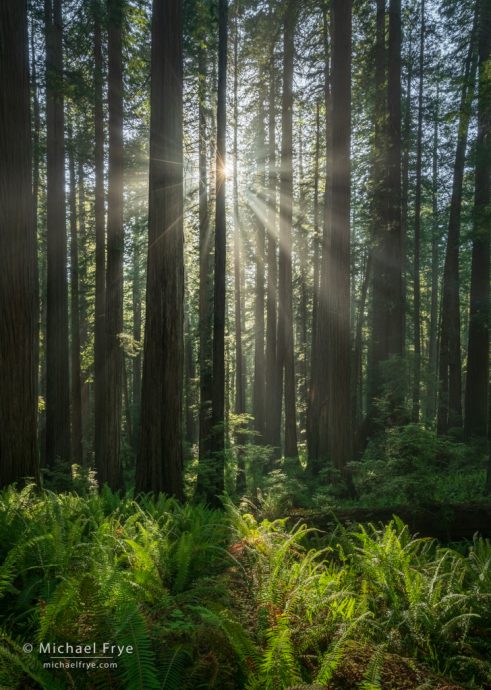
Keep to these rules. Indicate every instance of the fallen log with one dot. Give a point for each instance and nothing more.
(447, 523)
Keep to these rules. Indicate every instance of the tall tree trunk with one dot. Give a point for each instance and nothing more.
(272, 404)
(240, 393)
(216, 480)
(285, 351)
(160, 462)
(76, 375)
(311, 433)
(109, 467)
(339, 294)
(387, 276)
(395, 311)
(302, 357)
(57, 360)
(449, 412)
(137, 335)
(84, 319)
(405, 178)
(205, 296)
(435, 238)
(377, 352)
(319, 388)
(18, 262)
(417, 230)
(100, 245)
(258, 397)
(477, 388)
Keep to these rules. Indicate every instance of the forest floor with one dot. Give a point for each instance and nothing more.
(226, 600)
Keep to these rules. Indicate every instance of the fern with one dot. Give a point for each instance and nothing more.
(373, 675)
(130, 629)
(172, 668)
(279, 667)
(13, 657)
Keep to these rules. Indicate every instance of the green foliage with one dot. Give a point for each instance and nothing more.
(208, 599)
(282, 489)
(107, 569)
(411, 464)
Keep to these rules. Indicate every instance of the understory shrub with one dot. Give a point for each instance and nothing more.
(411, 464)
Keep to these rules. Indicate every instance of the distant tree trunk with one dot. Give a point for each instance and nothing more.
(435, 237)
(205, 296)
(395, 312)
(477, 388)
(339, 415)
(417, 230)
(137, 335)
(160, 462)
(126, 401)
(76, 374)
(84, 321)
(57, 360)
(259, 360)
(109, 468)
(18, 262)
(377, 352)
(212, 153)
(449, 412)
(311, 434)
(240, 377)
(100, 245)
(272, 404)
(285, 351)
(189, 385)
(239, 358)
(405, 178)
(215, 484)
(302, 359)
(357, 384)
(319, 388)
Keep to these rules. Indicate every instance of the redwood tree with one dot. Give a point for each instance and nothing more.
(75, 364)
(449, 412)
(476, 393)
(259, 342)
(417, 229)
(318, 394)
(205, 297)
(109, 465)
(100, 241)
(18, 272)
(387, 299)
(339, 294)
(159, 462)
(57, 361)
(215, 480)
(271, 405)
(285, 353)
